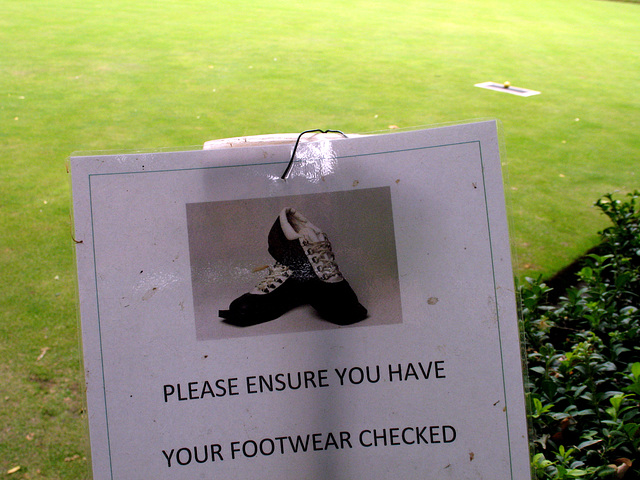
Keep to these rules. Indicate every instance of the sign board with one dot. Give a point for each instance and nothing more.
(389, 347)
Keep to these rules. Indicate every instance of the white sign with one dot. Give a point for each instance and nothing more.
(356, 320)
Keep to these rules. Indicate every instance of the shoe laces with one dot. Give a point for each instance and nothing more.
(322, 260)
(276, 276)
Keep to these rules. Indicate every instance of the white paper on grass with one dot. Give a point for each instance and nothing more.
(418, 227)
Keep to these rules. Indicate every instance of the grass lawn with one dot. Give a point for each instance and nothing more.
(84, 75)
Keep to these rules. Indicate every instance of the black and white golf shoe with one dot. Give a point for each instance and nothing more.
(298, 244)
(274, 296)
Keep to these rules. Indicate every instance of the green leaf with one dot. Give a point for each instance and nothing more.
(576, 472)
(586, 411)
(606, 471)
(588, 443)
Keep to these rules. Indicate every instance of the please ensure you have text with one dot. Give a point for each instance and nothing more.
(304, 380)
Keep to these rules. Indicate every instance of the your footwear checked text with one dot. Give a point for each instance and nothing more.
(414, 436)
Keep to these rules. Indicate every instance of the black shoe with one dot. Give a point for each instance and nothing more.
(305, 249)
(274, 296)
(335, 302)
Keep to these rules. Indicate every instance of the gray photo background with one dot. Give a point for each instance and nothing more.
(228, 241)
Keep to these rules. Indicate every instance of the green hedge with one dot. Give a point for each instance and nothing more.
(583, 353)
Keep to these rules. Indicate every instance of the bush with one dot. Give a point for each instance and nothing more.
(583, 353)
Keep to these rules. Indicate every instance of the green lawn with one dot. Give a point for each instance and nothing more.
(85, 75)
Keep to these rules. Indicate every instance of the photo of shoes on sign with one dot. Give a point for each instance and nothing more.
(264, 266)
(305, 272)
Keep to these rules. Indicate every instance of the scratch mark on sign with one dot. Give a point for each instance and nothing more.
(150, 293)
